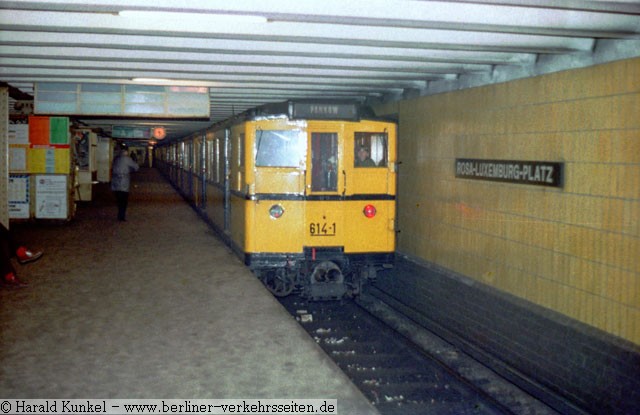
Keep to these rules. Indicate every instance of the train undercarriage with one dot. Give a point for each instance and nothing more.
(319, 274)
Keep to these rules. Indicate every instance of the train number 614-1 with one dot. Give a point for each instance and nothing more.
(322, 229)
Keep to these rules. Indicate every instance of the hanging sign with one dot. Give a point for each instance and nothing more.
(541, 173)
(125, 131)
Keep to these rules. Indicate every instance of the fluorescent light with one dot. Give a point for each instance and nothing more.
(152, 80)
(149, 17)
(172, 82)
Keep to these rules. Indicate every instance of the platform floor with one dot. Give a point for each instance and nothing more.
(155, 307)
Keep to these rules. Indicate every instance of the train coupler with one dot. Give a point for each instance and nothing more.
(326, 282)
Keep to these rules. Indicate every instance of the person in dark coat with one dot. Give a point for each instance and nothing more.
(363, 158)
(121, 171)
(9, 249)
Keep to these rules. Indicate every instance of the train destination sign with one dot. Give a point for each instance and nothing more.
(325, 111)
(541, 173)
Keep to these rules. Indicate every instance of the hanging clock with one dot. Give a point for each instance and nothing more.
(158, 133)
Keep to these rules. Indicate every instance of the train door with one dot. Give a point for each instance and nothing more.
(323, 218)
(324, 162)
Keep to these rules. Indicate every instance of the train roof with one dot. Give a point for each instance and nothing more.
(334, 110)
(339, 110)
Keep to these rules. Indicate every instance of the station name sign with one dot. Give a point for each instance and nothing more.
(541, 173)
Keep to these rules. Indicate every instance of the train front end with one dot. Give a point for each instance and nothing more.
(320, 215)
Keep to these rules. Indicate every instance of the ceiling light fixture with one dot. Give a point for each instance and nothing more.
(152, 80)
(172, 82)
(148, 16)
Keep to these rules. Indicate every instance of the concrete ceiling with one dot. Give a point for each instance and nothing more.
(250, 52)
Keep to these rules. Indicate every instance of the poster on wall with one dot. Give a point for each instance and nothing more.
(18, 158)
(19, 134)
(51, 197)
(18, 197)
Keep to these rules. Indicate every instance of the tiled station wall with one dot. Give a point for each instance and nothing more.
(547, 279)
(573, 249)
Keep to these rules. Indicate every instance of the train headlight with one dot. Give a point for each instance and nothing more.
(276, 211)
(369, 211)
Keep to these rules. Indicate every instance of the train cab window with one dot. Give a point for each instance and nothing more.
(282, 148)
(370, 150)
(324, 159)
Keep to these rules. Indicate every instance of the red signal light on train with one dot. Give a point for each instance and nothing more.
(369, 211)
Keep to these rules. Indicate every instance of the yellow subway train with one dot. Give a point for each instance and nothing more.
(304, 192)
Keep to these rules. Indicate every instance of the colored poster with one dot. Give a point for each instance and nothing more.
(62, 160)
(49, 160)
(59, 127)
(51, 197)
(38, 130)
(18, 197)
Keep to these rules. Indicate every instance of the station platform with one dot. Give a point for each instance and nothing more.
(155, 307)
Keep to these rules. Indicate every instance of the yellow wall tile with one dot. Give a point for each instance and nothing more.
(612, 211)
(628, 75)
(599, 317)
(630, 322)
(627, 111)
(627, 181)
(615, 318)
(626, 146)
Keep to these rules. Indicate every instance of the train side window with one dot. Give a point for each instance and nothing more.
(197, 158)
(181, 161)
(281, 148)
(324, 162)
(370, 150)
(216, 161)
(211, 159)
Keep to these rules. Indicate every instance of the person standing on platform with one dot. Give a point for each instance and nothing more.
(121, 171)
(9, 249)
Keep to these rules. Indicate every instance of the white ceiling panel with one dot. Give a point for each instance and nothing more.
(250, 52)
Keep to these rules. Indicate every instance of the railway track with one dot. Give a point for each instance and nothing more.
(398, 376)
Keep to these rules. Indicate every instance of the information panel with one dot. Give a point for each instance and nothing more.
(51, 196)
(19, 196)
